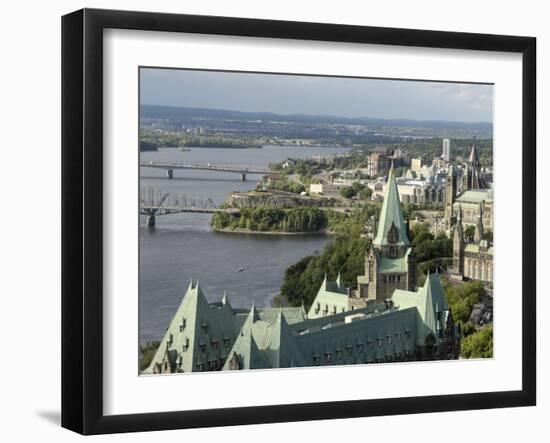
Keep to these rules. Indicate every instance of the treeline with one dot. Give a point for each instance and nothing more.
(219, 142)
(170, 139)
(265, 219)
(284, 184)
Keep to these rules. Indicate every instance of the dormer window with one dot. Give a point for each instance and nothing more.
(392, 234)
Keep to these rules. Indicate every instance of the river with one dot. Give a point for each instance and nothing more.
(183, 246)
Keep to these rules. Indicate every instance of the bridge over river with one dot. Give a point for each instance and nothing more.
(153, 202)
(171, 166)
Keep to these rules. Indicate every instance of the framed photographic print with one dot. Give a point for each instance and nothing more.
(270, 221)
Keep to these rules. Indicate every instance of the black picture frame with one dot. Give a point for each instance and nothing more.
(82, 218)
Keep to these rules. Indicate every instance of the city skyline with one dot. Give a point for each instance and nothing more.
(314, 95)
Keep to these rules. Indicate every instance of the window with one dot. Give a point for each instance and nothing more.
(350, 350)
(316, 359)
(214, 343)
(226, 342)
(389, 339)
(328, 357)
(186, 344)
(213, 365)
(359, 347)
(380, 342)
(202, 347)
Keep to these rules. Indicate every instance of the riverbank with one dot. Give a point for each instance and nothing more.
(249, 231)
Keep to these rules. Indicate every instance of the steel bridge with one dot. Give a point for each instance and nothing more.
(153, 202)
(171, 166)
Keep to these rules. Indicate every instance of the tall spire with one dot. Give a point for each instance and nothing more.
(391, 213)
(474, 157)
(478, 235)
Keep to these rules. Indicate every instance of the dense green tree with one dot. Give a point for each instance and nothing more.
(146, 354)
(479, 344)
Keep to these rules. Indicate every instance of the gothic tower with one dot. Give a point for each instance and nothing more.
(478, 235)
(390, 263)
(458, 245)
(450, 193)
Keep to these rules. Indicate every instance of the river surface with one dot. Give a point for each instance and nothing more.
(183, 246)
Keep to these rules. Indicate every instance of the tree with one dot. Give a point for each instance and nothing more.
(479, 344)
(347, 192)
(365, 194)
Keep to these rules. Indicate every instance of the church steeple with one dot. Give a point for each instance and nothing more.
(391, 215)
(473, 178)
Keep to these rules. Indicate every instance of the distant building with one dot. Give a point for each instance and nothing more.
(379, 163)
(446, 154)
(416, 164)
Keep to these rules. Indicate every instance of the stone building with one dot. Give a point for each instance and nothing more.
(202, 336)
(471, 173)
(475, 198)
(390, 262)
(472, 260)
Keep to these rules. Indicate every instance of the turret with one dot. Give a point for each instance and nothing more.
(478, 235)
(458, 244)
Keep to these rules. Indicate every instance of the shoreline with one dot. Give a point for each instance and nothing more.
(248, 231)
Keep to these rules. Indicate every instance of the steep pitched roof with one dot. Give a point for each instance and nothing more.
(429, 300)
(391, 214)
(280, 346)
(474, 156)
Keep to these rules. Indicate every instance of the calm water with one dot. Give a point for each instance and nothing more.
(183, 246)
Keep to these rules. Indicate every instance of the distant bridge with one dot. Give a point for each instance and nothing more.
(170, 166)
(153, 202)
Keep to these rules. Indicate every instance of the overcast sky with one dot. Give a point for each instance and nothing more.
(293, 94)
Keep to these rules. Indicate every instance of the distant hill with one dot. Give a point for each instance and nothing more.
(184, 114)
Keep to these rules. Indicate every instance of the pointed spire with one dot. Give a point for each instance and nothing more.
(339, 280)
(391, 213)
(324, 284)
(474, 157)
(225, 300)
(253, 316)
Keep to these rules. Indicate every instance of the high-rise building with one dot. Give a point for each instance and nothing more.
(446, 154)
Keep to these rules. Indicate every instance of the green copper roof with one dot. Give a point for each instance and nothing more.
(475, 196)
(430, 304)
(391, 213)
(474, 249)
(387, 265)
(331, 298)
